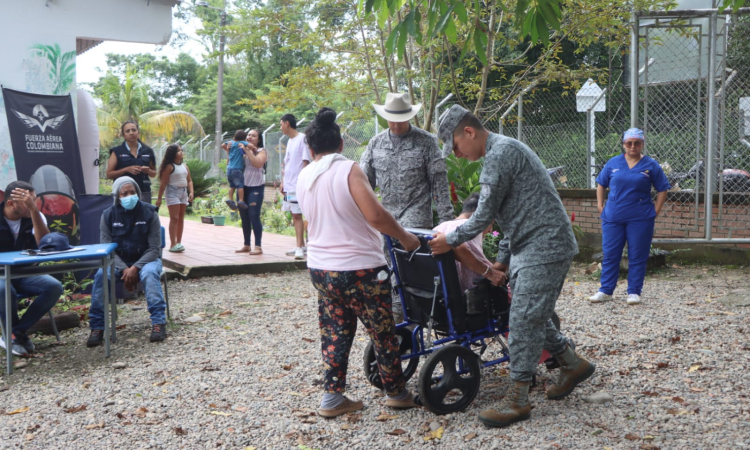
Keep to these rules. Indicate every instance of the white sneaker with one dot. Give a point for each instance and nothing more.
(299, 253)
(292, 251)
(600, 297)
(634, 299)
(16, 349)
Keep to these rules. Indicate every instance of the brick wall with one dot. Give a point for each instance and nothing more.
(678, 217)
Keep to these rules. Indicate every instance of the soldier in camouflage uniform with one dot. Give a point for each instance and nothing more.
(406, 164)
(538, 245)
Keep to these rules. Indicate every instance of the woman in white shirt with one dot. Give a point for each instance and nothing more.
(174, 178)
(255, 185)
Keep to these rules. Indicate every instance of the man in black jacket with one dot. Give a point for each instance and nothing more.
(22, 226)
(134, 226)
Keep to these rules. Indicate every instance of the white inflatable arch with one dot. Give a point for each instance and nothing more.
(88, 141)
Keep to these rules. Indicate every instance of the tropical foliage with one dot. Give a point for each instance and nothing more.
(126, 99)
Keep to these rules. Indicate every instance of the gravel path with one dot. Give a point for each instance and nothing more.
(673, 374)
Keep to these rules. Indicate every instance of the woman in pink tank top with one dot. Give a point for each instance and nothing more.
(347, 266)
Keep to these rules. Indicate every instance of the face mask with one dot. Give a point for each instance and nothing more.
(129, 202)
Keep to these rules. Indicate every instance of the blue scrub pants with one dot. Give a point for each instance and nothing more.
(638, 235)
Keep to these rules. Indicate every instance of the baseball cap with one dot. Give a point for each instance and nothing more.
(449, 120)
(54, 242)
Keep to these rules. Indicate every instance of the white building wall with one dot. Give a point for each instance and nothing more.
(26, 25)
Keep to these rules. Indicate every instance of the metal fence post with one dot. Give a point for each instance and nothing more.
(377, 125)
(264, 144)
(591, 138)
(591, 145)
(708, 202)
(634, 77)
(437, 110)
(520, 116)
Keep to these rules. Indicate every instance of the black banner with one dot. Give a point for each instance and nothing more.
(45, 148)
(43, 132)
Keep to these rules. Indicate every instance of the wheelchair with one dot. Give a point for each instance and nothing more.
(445, 325)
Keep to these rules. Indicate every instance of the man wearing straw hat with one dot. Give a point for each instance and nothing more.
(406, 164)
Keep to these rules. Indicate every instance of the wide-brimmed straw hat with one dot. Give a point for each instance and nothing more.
(397, 108)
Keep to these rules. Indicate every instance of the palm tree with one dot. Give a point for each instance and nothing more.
(62, 67)
(123, 101)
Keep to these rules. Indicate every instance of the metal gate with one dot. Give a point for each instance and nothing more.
(693, 102)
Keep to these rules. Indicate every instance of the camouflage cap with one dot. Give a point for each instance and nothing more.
(449, 120)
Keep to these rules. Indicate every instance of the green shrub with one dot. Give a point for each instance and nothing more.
(198, 170)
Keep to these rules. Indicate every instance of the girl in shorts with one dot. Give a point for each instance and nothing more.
(174, 178)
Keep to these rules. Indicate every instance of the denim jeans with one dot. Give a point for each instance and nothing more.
(150, 276)
(251, 216)
(47, 291)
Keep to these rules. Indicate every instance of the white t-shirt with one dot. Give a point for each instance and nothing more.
(296, 152)
(15, 226)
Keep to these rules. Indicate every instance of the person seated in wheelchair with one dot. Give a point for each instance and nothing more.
(134, 226)
(22, 227)
(473, 267)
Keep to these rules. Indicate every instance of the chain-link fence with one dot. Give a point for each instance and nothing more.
(356, 135)
(695, 111)
(572, 144)
(733, 185)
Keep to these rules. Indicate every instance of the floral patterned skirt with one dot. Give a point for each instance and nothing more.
(344, 296)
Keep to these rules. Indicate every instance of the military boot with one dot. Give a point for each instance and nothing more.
(574, 369)
(515, 407)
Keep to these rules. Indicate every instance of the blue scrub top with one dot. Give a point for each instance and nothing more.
(236, 156)
(630, 189)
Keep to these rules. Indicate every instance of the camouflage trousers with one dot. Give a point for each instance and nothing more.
(342, 298)
(535, 292)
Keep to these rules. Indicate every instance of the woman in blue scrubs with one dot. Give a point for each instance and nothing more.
(628, 215)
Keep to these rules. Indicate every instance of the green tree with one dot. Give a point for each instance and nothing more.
(170, 83)
(126, 99)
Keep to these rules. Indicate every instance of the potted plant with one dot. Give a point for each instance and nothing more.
(203, 207)
(219, 209)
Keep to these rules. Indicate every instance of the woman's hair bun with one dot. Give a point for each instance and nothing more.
(326, 116)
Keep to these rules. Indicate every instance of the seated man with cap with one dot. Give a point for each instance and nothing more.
(134, 226)
(23, 227)
(471, 263)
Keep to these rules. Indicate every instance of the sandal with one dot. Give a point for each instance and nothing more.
(257, 251)
(243, 249)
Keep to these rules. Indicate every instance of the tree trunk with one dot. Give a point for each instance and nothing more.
(490, 59)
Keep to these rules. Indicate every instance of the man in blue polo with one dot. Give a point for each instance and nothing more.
(22, 227)
(134, 226)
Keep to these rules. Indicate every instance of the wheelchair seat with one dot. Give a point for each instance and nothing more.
(417, 275)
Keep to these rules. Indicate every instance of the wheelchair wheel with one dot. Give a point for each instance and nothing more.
(408, 367)
(449, 379)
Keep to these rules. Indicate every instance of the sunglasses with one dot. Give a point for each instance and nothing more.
(633, 144)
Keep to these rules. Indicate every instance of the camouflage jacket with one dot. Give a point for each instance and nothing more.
(410, 177)
(519, 195)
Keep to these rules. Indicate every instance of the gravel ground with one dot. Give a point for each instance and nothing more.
(672, 373)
